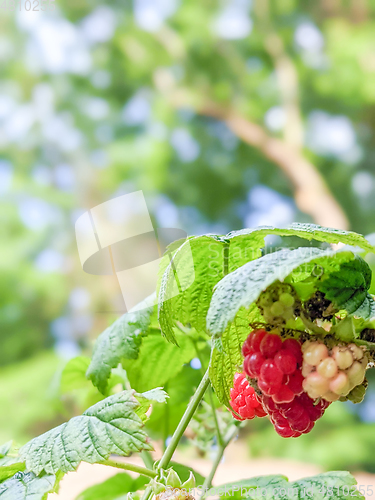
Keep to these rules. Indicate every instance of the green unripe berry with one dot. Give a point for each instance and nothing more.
(286, 299)
(277, 309)
(357, 394)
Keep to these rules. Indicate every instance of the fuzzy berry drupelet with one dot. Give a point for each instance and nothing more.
(244, 400)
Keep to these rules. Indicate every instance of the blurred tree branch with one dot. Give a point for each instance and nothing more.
(311, 193)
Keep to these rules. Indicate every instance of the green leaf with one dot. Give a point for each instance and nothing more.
(179, 301)
(158, 361)
(7, 471)
(214, 256)
(5, 449)
(74, 374)
(165, 418)
(339, 485)
(367, 309)
(147, 398)
(113, 487)
(347, 287)
(226, 360)
(110, 426)
(26, 486)
(120, 341)
(242, 287)
(305, 231)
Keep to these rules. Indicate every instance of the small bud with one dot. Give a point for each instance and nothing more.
(173, 479)
(189, 484)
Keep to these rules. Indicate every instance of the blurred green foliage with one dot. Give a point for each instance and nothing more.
(100, 99)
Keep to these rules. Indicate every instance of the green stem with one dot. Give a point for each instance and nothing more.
(130, 467)
(147, 493)
(187, 416)
(227, 439)
(220, 441)
(210, 395)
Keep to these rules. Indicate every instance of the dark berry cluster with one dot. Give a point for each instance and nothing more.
(295, 418)
(276, 365)
(244, 400)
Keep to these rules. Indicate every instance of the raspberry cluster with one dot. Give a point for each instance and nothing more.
(244, 400)
(334, 373)
(276, 365)
(295, 418)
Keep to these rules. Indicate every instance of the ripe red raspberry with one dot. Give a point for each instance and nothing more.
(276, 365)
(294, 418)
(244, 400)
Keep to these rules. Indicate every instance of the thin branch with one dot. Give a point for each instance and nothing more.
(232, 432)
(187, 416)
(130, 467)
(312, 195)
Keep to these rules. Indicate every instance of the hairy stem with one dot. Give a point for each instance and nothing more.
(130, 467)
(233, 430)
(187, 416)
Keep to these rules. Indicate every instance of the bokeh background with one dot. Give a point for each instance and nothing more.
(226, 113)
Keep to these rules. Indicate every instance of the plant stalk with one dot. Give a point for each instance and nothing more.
(187, 416)
(130, 467)
(233, 430)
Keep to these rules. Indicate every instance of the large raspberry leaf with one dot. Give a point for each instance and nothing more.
(339, 485)
(215, 256)
(243, 287)
(226, 356)
(347, 288)
(27, 486)
(113, 425)
(120, 341)
(190, 306)
(159, 361)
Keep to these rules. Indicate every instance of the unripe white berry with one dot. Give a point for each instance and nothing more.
(306, 369)
(330, 396)
(343, 357)
(306, 345)
(327, 368)
(317, 382)
(356, 350)
(356, 373)
(315, 353)
(340, 384)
